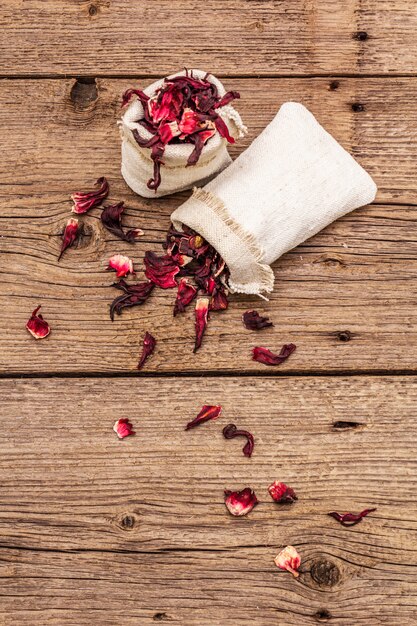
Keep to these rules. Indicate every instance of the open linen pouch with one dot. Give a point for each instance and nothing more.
(292, 181)
(138, 167)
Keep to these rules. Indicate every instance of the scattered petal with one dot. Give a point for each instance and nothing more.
(121, 264)
(281, 493)
(240, 502)
(207, 413)
(123, 428)
(161, 270)
(201, 318)
(185, 295)
(350, 519)
(134, 295)
(289, 559)
(111, 218)
(265, 356)
(230, 432)
(86, 200)
(37, 326)
(149, 343)
(70, 235)
(253, 321)
(128, 95)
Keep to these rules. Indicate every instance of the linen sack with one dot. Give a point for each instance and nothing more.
(137, 165)
(292, 181)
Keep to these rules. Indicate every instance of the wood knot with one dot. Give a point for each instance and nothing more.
(361, 35)
(325, 573)
(344, 335)
(84, 92)
(128, 522)
(357, 107)
(333, 85)
(160, 617)
(322, 615)
(92, 10)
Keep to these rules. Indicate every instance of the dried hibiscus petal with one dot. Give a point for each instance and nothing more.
(86, 200)
(111, 218)
(37, 326)
(134, 295)
(240, 502)
(161, 270)
(129, 93)
(69, 236)
(265, 356)
(201, 318)
(121, 264)
(219, 301)
(149, 343)
(207, 413)
(230, 432)
(185, 295)
(281, 493)
(350, 519)
(123, 428)
(253, 321)
(289, 559)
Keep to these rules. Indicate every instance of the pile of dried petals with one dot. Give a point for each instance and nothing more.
(183, 110)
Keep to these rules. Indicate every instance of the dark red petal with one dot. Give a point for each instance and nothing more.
(230, 432)
(149, 343)
(201, 318)
(185, 295)
(240, 502)
(350, 519)
(134, 295)
(281, 493)
(219, 301)
(208, 412)
(161, 270)
(223, 129)
(198, 148)
(265, 356)
(253, 321)
(69, 235)
(128, 95)
(86, 200)
(37, 326)
(123, 428)
(111, 218)
(228, 97)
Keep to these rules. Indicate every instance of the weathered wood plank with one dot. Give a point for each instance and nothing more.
(235, 37)
(129, 530)
(357, 275)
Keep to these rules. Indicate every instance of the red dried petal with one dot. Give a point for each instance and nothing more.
(168, 131)
(69, 235)
(289, 559)
(223, 129)
(37, 326)
(230, 432)
(190, 122)
(281, 493)
(134, 295)
(265, 356)
(111, 218)
(240, 502)
(185, 295)
(207, 413)
(121, 264)
(161, 270)
(149, 343)
(129, 93)
(86, 200)
(123, 428)
(253, 321)
(219, 301)
(350, 519)
(201, 319)
(228, 97)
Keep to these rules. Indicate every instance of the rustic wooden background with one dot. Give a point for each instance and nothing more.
(98, 531)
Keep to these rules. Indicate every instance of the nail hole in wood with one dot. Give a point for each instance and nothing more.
(357, 107)
(361, 35)
(84, 92)
(159, 617)
(128, 522)
(344, 335)
(325, 573)
(92, 10)
(344, 425)
(333, 85)
(322, 615)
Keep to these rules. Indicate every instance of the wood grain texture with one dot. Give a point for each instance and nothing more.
(357, 275)
(105, 531)
(235, 37)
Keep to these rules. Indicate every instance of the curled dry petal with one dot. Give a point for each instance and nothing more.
(289, 559)
(123, 428)
(350, 519)
(207, 413)
(219, 300)
(128, 95)
(240, 502)
(121, 264)
(253, 321)
(133, 295)
(37, 326)
(201, 318)
(230, 432)
(265, 356)
(185, 295)
(281, 493)
(149, 343)
(111, 218)
(161, 270)
(86, 200)
(70, 235)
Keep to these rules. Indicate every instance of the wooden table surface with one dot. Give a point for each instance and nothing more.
(106, 532)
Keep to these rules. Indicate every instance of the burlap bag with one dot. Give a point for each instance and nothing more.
(137, 165)
(292, 181)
